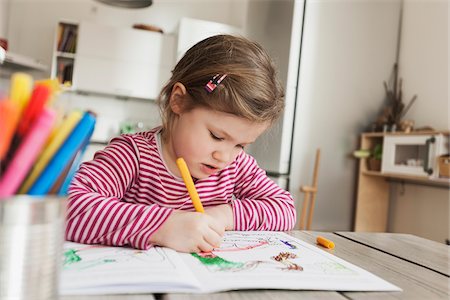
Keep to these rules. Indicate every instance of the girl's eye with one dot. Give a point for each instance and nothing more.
(215, 136)
(240, 146)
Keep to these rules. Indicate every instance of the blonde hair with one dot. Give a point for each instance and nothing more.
(251, 89)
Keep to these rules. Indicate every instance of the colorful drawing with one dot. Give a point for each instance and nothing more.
(92, 256)
(284, 257)
(70, 257)
(242, 241)
(288, 244)
(333, 268)
(238, 241)
(236, 247)
(216, 263)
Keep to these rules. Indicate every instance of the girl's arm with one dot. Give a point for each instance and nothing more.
(260, 204)
(95, 212)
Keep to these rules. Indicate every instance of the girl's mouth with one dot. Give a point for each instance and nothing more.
(208, 169)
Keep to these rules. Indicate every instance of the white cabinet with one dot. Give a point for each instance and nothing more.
(122, 62)
(415, 155)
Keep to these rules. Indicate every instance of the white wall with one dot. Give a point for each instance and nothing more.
(424, 66)
(348, 51)
(31, 31)
(4, 6)
(424, 59)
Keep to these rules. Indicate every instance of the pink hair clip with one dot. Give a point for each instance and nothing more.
(214, 82)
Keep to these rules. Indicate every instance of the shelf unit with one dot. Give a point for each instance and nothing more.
(99, 59)
(18, 61)
(372, 202)
(64, 54)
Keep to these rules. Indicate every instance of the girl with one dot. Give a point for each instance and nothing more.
(222, 95)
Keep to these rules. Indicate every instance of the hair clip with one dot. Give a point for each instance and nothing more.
(214, 82)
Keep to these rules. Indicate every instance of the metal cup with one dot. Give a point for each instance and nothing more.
(31, 240)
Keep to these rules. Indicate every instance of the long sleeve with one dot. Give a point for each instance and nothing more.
(259, 203)
(97, 210)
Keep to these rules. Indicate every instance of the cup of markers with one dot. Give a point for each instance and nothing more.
(39, 153)
(31, 235)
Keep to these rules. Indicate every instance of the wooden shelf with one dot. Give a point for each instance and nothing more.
(373, 193)
(399, 133)
(445, 182)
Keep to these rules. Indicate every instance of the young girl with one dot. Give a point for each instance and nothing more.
(222, 95)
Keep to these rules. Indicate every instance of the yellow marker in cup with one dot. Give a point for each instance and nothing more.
(187, 178)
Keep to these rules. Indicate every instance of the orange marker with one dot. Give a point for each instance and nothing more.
(325, 242)
(9, 117)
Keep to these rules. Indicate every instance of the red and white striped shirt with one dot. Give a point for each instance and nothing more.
(126, 192)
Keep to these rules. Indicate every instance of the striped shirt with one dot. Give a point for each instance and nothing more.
(126, 193)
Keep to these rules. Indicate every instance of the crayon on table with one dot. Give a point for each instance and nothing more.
(325, 242)
(181, 164)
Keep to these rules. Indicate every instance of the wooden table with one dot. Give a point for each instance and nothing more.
(418, 266)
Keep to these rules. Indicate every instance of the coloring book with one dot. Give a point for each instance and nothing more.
(245, 260)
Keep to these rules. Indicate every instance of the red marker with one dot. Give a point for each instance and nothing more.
(36, 104)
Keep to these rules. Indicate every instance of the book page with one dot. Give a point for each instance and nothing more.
(96, 269)
(245, 260)
(275, 260)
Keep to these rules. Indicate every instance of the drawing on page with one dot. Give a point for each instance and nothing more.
(289, 265)
(216, 263)
(288, 244)
(81, 258)
(71, 257)
(330, 268)
(238, 241)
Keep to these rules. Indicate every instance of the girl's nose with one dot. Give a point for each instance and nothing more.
(222, 156)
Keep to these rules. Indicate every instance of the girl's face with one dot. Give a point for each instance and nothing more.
(208, 140)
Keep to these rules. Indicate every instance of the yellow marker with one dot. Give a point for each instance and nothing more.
(21, 86)
(181, 164)
(54, 86)
(325, 242)
(53, 145)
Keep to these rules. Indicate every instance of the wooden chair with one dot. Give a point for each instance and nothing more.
(310, 196)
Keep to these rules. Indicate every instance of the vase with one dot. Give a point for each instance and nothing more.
(374, 164)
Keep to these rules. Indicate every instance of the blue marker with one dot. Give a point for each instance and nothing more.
(288, 244)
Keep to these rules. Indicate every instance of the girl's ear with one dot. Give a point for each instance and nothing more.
(177, 97)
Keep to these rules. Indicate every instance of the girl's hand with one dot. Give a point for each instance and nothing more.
(223, 213)
(189, 232)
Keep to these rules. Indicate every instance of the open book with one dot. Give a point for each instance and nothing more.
(245, 260)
